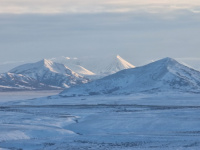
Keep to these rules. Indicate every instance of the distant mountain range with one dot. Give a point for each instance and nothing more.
(163, 75)
(58, 73)
(117, 76)
(95, 66)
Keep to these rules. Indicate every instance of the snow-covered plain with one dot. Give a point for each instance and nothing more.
(137, 121)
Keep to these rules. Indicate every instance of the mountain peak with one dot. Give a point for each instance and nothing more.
(39, 66)
(118, 56)
(114, 65)
(124, 64)
(166, 61)
(45, 62)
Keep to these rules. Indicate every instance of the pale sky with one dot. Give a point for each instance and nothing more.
(138, 30)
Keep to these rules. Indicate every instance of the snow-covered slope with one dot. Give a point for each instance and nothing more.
(50, 73)
(107, 65)
(117, 64)
(10, 81)
(73, 64)
(193, 62)
(163, 75)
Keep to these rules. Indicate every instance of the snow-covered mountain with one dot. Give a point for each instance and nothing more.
(95, 66)
(163, 75)
(73, 64)
(50, 73)
(11, 81)
(62, 72)
(106, 65)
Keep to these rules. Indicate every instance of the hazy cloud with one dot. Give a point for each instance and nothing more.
(95, 6)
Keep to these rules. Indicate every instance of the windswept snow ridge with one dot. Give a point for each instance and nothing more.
(163, 75)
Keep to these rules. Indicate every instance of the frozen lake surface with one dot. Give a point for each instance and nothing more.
(139, 121)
